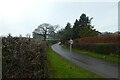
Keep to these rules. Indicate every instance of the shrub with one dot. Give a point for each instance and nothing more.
(23, 58)
(98, 48)
(99, 39)
(53, 41)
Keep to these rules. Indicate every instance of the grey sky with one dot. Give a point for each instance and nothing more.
(23, 16)
(119, 16)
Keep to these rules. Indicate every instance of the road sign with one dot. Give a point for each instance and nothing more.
(71, 41)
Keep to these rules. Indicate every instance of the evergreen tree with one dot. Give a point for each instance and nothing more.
(83, 27)
(67, 32)
(76, 29)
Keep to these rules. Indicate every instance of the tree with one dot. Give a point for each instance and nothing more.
(52, 31)
(28, 35)
(9, 35)
(45, 30)
(59, 34)
(83, 27)
(89, 31)
(66, 33)
(76, 29)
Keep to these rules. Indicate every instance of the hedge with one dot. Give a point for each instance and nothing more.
(23, 58)
(99, 48)
(99, 44)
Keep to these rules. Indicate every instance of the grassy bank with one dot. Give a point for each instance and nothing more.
(109, 58)
(61, 68)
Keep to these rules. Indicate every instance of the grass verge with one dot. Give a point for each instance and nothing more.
(110, 58)
(61, 68)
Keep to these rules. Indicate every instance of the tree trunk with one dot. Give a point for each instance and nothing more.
(45, 35)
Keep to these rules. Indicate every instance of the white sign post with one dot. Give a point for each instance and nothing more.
(71, 42)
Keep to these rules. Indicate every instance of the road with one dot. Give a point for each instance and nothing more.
(100, 67)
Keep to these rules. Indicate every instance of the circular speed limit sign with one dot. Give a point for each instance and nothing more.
(71, 41)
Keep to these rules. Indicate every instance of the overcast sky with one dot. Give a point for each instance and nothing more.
(23, 16)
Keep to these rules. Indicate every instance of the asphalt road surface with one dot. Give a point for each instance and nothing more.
(100, 67)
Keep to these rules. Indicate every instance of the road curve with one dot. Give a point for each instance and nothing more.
(100, 67)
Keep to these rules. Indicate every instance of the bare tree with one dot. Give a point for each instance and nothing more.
(43, 29)
(46, 29)
(53, 30)
(28, 35)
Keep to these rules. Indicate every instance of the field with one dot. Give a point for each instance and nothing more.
(23, 58)
(61, 68)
